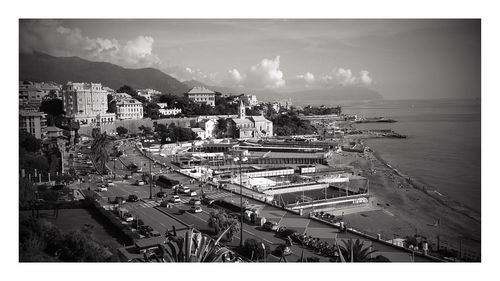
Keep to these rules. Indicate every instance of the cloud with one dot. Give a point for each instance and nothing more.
(345, 77)
(308, 77)
(365, 77)
(266, 74)
(50, 36)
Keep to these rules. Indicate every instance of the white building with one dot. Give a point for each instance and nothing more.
(129, 109)
(148, 93)
(87, 103)
(34, 123)
(165, 111)
(202, 95)
(208, 125)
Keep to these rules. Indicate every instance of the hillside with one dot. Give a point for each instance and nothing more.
(42, 67)
(224, 90)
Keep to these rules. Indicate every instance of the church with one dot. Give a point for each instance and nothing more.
(245, 127)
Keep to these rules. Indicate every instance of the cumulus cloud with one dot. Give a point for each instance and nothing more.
(345, 77)
(308, 77)
(265, 74)
(49, 36)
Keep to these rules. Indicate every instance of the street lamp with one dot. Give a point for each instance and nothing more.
(240, 160)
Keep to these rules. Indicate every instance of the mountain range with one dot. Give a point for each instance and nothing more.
(39, 67)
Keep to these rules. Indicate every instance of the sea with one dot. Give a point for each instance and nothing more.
(443, 144)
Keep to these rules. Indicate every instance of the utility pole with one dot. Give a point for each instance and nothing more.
(150, 182)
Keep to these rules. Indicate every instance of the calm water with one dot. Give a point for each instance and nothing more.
(443, 148)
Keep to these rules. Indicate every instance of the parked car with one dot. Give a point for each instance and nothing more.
(155, 233)
(175, 199)
(192, 193)
(139, 183)
(196, 209)
(128, 217)
(207, 201)
(194, 201)
(133, 198)
(103, 188)
(269, 225)
(145, 230)
(161, 194)
(119, 200)
(127, 177)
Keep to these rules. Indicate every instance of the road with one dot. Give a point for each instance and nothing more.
(155, 216)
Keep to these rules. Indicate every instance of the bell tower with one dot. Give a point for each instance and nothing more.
(242, 111)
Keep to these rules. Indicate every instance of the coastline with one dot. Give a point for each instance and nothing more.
(420, 185)
(405, 207)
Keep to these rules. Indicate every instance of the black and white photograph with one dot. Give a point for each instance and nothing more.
(257, 139)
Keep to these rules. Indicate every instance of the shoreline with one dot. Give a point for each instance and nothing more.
(422, 186)
(405, 207)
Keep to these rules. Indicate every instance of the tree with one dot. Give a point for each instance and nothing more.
(81, 246)
(145, 130)
(53, 107)
(121, 131)
(127, 89)
(221, 127)
(29, 142)
(220, 220)
(99, 151)
(193, 247)
(254, 248)
(355, 251)
(111, 104)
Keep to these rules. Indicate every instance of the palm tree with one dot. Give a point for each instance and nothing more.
(354, 251)
(194, 247)
(99, 152)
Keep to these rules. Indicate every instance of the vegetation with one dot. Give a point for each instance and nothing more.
(172, 133)
(355, 251)
(99, 151)
(121, 131)
(322, 110)
(256, 250)
(222, 222)
(53, 107)
(29, 154)
(41, 241)
(193, 247)
(291, 124)
(111, 104)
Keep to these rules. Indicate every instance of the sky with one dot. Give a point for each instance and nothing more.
(401, 59)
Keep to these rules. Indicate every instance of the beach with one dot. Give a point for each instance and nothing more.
(403, 207)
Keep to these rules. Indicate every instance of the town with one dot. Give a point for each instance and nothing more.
(203, 177)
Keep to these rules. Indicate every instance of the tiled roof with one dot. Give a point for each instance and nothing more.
(201, 90)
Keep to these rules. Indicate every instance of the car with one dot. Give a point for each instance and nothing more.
(269, 225)
(133, 198)
(196, 209)
(165, 204)
(110, 181)
(194, 201)
(175, 199)
(127, 177)
(119, 200)
(128, 217)
(154, 233)
(282, 250)
(139, 183)
(103, 188)
(207, 201)
(161, 194)
(192, 194)
(145, 230)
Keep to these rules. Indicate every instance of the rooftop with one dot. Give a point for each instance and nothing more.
(200, 90)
